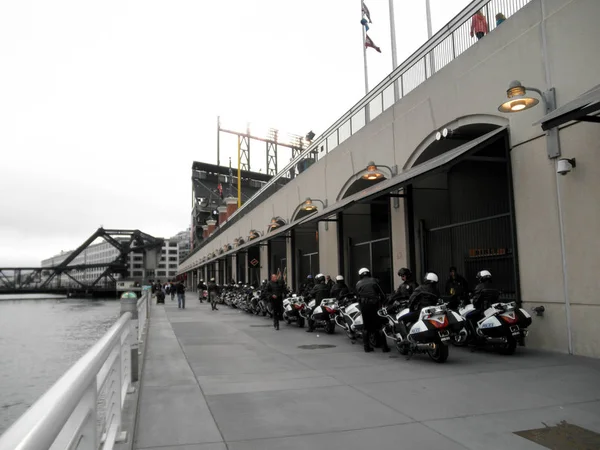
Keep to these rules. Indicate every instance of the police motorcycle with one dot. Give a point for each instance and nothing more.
(350, 320)
(502, 326)
(291, 310)
(430, 334)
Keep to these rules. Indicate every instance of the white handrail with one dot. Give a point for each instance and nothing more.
(66, 416)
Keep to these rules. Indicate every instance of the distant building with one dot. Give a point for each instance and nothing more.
(183, 239)
(104, 253)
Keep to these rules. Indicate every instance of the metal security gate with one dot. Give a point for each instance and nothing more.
(374, 255)
(309, 265)
(471, 246)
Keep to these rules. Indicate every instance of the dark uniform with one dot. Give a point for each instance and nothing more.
(483, 297)
(424, 295)
(201, 288)
(213, 294)
(371, 298)
(457, 286)
(339, 290)
(276, 290)
(405, 290)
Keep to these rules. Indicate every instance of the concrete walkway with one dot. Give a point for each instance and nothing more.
(227, 380)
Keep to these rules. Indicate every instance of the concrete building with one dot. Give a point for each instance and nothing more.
(426, 172)
(104, 252)
(183, 239)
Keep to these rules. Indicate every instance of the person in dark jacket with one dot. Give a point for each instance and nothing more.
(180, 295)
(340, 288)
(319, 291)
(407, 287)
(427, 294)
(201, 288)
(456, 285)
(213, 294)
(329, 282)
(484, 294)
(276, 290)
(307, 286)
(371, 298)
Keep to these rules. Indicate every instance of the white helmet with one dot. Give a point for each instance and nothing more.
(339, 278)
(484, 275)
(431, 277)
(364, 272)
(319, 277)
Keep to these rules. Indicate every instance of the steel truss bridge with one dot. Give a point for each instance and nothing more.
(49, 279)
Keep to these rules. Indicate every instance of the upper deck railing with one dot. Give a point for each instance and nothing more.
(443, 47)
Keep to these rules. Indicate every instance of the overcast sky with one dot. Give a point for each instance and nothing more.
(104, 105)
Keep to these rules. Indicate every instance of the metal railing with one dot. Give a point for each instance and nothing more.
(443, 47)
(82, 410)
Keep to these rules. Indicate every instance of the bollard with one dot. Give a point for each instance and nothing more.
(129, 304)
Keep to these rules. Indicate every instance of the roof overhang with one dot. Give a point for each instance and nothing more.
(582, 109)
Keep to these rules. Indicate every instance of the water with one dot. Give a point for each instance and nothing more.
(39, 341)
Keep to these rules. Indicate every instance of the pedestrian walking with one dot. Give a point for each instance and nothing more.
(276, 288)
(213, 294)
(181, 295)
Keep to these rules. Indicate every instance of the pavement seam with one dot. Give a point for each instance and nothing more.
(180, 445)
(345, 430)
(200, 387)
(466, 416)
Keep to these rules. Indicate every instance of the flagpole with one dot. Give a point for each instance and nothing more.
(364, 39)
(394, 55)
(429, 34)
(239, 184)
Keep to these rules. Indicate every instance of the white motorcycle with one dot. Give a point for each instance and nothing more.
(322, 316)
(430, 334)
(502, 327)
(291, 310)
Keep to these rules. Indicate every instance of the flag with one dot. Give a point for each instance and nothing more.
(366, 12)
(365, 23)
(220, 189)
(370, 43)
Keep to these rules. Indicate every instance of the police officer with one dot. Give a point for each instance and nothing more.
(407, 287)
(213, 294)
(201, 288)
(371, 298)
(276, 289)
(319, 291)
(484, 295)
(339, 289)
(425, 295)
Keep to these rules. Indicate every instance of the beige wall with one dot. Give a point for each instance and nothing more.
(469, 89)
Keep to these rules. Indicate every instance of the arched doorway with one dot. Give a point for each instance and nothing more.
(462, 216)
(364, 230)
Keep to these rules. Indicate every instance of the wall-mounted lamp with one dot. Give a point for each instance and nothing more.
(372, 173)
(310, 206)
(253, 234)
(518, 101)
(276, 222)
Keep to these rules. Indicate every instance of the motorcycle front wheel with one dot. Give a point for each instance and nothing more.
(440, 354)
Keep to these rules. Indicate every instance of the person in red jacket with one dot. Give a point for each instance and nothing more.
(479, 25)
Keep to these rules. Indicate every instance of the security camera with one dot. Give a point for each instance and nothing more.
(564, 166)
